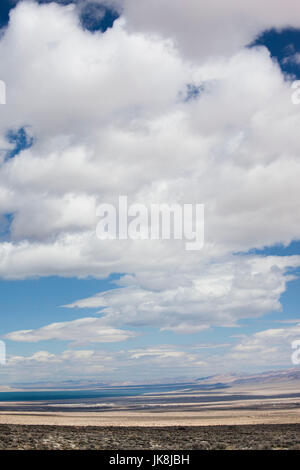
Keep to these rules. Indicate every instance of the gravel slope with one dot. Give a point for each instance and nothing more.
(277, 436)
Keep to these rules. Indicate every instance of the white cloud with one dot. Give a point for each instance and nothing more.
(67, 365)
(211, 27)
(109, 116)
(84, 80)
(266, 349)
(166, 356)
(82, 331)
(241, 288)
(46, 357)
(38, 357)
(101, 365)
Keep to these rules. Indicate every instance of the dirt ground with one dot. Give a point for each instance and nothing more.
(275, 436)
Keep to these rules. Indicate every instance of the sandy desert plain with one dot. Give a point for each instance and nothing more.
(258, 412)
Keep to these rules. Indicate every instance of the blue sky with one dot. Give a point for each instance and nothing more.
(164, 313)
(94, 16)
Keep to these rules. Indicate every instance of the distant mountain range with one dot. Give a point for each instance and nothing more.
(273, 378)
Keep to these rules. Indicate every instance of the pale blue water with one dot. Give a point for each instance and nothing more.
(63, 395)
(82, 395)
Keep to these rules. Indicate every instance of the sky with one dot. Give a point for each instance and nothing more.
(164, 103)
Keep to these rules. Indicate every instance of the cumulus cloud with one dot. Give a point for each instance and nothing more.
(210, 28)
(166, 355)
(84, 330)
(111, 114)
(102, 365)
(37, 357)
(266, 349)
(46, 357)
(222, 295)
(43, 365)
